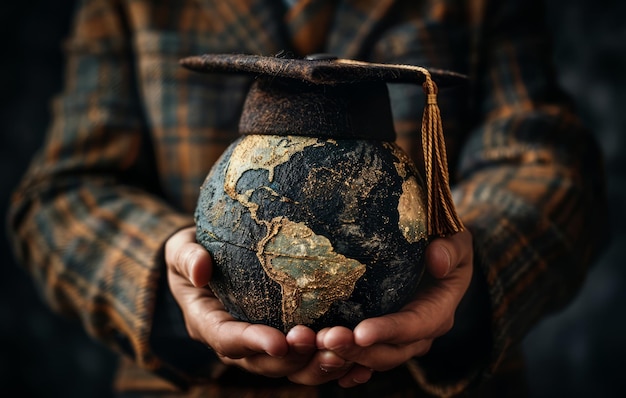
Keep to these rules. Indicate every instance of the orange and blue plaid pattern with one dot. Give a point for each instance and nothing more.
(134, 135)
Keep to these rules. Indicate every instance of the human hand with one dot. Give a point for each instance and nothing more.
(382, 343)
(257, 348)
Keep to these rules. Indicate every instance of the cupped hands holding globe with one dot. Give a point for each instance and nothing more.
(335, 353)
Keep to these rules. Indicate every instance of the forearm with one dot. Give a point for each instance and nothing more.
(88, 220)
(93, 251)
(537, 222)
(530, 189)
(538, 216)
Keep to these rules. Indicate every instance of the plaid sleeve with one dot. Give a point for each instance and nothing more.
(87, 220)
(531, 187)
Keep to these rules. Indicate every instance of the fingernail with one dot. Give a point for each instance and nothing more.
(365, 379)
(446, 256)
(333, 367)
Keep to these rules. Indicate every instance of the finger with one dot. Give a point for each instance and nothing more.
(340, 340)
(357, 375)
(319, 338)
(208, 322)
(378, 356)
(257, 348)
(335, 337)
(301, 340)
(236, 339)
(403, 327)
(429, 315)
(323, 367)
(438, 258)
(443, 255)
(266, 365)
(187, 258)
(383, 357)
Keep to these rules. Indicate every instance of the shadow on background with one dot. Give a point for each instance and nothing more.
(41, 355)
(579, 352)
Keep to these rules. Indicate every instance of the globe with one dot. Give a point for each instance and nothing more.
(313, 231)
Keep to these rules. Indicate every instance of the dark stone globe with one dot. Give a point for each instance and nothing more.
(313, 231)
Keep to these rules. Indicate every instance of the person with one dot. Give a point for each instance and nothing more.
(102, 219)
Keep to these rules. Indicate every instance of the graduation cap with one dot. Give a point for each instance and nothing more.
(329, 97)
(314, 196)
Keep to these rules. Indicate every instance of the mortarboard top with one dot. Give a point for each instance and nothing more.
(326, 97)
(319, 95)
(319, 69)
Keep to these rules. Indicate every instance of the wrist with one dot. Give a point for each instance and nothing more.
(465, 350)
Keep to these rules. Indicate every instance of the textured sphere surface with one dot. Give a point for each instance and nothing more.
(311, 231)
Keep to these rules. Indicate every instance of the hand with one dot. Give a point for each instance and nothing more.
(382, 343)
(257, 348)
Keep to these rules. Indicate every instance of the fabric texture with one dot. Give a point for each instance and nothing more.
(134, 136)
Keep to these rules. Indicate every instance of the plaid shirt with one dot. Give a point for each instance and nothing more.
(134, 136)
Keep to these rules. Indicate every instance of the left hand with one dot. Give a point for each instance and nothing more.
(382, 343)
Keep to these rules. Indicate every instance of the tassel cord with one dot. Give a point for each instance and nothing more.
(441, 217)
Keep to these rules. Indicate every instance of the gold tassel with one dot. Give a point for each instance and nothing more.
(441, 215)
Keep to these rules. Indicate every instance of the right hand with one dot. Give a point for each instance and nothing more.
(256, 348)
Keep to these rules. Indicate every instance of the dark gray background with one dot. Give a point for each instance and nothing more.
(580, 352)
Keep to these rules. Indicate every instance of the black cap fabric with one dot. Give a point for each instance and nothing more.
(325, 70)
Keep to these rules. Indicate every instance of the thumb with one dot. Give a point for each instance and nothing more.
(443, 255)
(187, 258)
